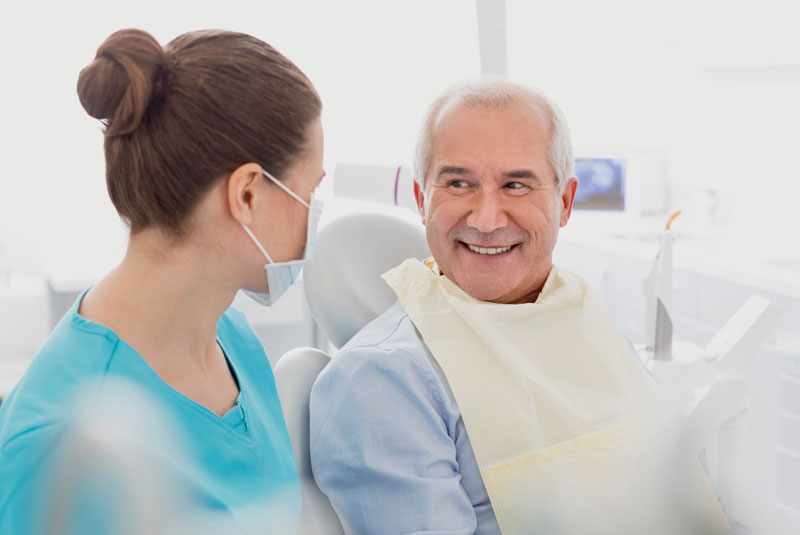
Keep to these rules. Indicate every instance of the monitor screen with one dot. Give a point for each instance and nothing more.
(601, 184)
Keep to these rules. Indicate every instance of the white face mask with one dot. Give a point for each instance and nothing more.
(281, 275)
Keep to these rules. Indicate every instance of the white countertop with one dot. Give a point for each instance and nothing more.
(769, 267)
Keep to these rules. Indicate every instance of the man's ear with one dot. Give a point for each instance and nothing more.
(567, 198)
(243, 196)
(420, 200)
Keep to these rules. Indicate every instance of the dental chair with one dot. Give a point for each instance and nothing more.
(345, 292)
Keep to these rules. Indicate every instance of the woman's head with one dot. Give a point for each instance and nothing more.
(180, 117)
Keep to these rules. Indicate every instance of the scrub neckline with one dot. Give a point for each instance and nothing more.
(226, 420)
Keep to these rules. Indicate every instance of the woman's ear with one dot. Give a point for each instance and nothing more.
(243, 193)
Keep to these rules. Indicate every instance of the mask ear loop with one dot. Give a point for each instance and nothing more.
(284, 188)
(255, 240)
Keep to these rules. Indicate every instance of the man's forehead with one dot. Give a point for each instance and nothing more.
(515, 130)
(525, 108)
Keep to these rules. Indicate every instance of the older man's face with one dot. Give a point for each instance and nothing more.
(491, 204)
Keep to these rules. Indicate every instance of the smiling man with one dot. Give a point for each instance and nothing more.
(496, 394)
(494, 201)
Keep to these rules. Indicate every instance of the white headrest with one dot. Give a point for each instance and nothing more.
(343, 284)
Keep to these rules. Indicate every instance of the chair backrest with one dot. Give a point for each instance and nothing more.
(343, 284)
(295, 373)
(345, 292)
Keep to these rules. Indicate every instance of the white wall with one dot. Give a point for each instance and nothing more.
(375, 64)
(712, 84)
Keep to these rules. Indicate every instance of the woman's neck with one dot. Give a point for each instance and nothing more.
(164, 299)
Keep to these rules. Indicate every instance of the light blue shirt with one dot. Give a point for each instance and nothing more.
(240, 462)
(388, 445)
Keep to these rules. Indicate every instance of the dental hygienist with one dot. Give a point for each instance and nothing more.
(213, 147)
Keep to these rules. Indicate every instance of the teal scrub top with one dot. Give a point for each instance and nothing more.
(237, 472)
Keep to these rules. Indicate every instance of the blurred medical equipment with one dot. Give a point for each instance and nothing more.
(384, 184)
(630, 182)
(345, 292)
(706, 386)
(788, 498)
(658, 299)
(602, 184)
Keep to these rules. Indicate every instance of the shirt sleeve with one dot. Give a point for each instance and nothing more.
(380, 447)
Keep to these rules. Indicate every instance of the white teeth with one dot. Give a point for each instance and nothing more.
(488, 250)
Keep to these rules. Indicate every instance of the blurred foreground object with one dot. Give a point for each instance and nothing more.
(111, 473)
(707, 386)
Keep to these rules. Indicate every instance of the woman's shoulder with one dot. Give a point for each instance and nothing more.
(70, 355)
(42, 402)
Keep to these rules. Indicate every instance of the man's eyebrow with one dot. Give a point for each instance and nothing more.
(521, 173)
(453, 170)
(512, 174)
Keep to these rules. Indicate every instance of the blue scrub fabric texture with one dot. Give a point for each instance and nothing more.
(234, 471)
(388, 444)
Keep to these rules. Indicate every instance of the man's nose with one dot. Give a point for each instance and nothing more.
(487, 213)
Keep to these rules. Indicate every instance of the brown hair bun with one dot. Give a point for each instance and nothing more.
(119, 84)
(182, 117)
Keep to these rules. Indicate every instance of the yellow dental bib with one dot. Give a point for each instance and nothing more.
(558, 411)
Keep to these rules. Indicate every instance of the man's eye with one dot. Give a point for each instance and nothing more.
(516, 187)
(458, 184)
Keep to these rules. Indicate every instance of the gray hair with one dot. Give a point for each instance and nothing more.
(494, 94)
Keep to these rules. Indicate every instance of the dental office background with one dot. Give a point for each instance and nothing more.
(680, 105)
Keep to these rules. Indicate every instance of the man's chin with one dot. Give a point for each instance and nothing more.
(485, 290)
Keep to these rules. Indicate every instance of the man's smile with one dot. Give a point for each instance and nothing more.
(489, 250)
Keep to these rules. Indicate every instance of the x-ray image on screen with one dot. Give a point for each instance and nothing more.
(601, 184)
